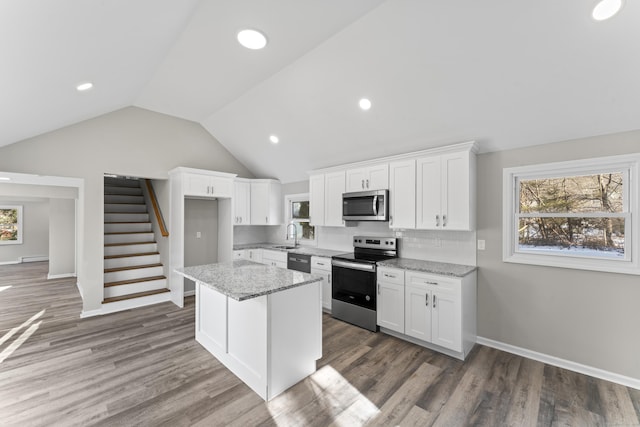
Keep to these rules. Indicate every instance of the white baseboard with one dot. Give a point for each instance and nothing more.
(562, 363)
(189, 293)
(60, 276)
(91, 313)
(9, 262)
(35, 258)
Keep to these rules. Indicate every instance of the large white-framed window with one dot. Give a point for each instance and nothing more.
(579, 214)
(10, 225)
(296, 208)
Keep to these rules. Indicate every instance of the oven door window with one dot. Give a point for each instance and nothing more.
(354, 286)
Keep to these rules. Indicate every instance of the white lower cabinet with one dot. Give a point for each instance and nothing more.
(390, 299)
(274, 258)
(322, 267)
(432, 309)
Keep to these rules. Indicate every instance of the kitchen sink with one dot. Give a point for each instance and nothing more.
(283, 247)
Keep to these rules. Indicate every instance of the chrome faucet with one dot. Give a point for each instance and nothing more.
(293, 235)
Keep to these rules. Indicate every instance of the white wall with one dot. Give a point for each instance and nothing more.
(131, 141)
(584, 316)
(62, 237)
(35, 230)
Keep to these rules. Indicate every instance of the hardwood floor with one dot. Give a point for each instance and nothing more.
(143, 367)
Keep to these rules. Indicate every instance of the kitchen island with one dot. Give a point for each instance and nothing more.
(263, 323)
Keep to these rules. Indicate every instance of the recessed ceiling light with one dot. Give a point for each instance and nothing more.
(274, 139)
(84, 86)
(252, 39)
(365, 104)
(606, 9)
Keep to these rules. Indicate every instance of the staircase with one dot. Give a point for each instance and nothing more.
(133, 274)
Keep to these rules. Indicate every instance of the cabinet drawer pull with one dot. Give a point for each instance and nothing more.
(431, 283)
(320, 263)
(389, 275)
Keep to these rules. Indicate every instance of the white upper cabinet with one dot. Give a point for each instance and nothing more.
(266, 202)
(445, 198)
(207, 185)
(334, 187)
(242, 202)
(402, 194)
(368, 178)
(316, 199)
(429, 190)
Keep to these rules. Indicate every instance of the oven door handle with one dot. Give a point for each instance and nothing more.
(354, 265)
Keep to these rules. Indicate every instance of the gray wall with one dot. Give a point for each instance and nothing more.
(200, 216)
(583, 316)
(131, 141)
(62, 237)
(35, 230)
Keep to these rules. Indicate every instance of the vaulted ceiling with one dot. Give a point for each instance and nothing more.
(506, 74)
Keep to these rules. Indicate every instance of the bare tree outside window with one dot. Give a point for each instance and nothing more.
(582, 214)
(10, 225)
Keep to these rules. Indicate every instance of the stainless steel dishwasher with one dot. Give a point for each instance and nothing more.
(299, 262)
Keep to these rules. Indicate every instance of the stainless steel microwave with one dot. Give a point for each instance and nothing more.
(366, 206)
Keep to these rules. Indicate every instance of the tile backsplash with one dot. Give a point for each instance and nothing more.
(458, 247)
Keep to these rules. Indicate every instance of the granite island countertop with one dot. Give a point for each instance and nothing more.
(243, 279)
(441, 268)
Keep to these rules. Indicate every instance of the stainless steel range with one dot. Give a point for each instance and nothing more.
(354, 280)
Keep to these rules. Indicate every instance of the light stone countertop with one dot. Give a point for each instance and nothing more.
(303, 250)
(441, 268)
(243, 279)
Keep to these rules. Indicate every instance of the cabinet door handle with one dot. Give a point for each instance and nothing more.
(362, 183)
(426, 300)
(390, 219)
(444, 220)
(266, 219)
(378, 288)
(434, 301)
(367, 183)
(329, 278)
(437, 220)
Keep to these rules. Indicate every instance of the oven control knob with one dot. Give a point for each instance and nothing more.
(368, 298)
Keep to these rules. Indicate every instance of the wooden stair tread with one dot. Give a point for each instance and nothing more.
(131, 281)
(136, 295)
(127, 213)
(127, 232)
(131, 255)
(129, 222)
(129, 244)
(122, 203)
(131, 267)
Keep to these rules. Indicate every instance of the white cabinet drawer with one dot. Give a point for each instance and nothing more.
(275, 256)
(320, 263)
(414, 278)
(391, 275)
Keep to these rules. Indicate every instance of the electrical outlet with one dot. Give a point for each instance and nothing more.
(398, 233)
(481, 245)
(198, 234)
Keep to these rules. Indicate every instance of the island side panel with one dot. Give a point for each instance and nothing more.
(211, 320)
(295, 336)
(247, 342)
